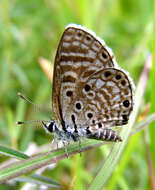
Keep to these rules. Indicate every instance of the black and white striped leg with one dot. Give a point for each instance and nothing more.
(55, 140)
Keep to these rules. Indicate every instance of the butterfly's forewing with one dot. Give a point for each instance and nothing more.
(79, 54)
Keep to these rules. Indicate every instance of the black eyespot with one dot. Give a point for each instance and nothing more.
(79, 34)
(88, 131)
(126, 103)
(88, 38)
(118, 77)
(104, 55)
(90, 115)
(78, 106)
(125, 118)
(107, 74)
(93, 121)
(123, 82)
(87, 88)
(99, 125)
(69, 93)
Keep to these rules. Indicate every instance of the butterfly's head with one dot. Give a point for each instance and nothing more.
(51, 126)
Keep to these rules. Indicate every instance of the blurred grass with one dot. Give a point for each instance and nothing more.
(152, 84)
(32, 29)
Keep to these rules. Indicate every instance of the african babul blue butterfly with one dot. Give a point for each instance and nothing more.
(91, 94)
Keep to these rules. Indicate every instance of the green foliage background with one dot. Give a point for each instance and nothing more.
(32, 29)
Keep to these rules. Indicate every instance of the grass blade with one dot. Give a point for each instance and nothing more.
(12, 153)
(23, 167)
(38, 179)
(144, 123)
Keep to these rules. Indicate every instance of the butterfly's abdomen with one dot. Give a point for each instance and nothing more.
(105, 135)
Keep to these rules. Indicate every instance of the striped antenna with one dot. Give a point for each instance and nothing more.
(32, 121)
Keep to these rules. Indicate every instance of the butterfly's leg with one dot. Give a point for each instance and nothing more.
(104, 134)
(68, 143)
(65, 148)
(57, 145)
(52, 143)
(80, 148)
(55, 140)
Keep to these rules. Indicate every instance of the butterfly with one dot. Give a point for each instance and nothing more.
(91, 94)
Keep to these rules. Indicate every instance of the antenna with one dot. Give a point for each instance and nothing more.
(36, 108)
(27, 100)
(32, 121)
